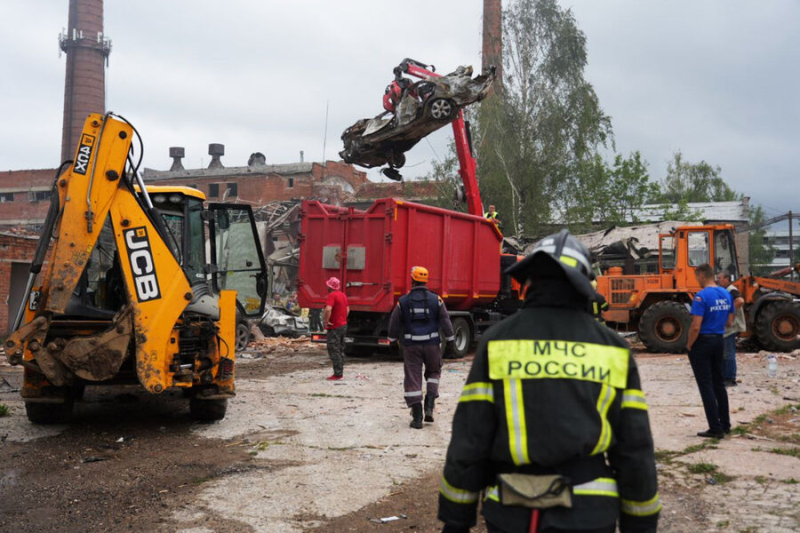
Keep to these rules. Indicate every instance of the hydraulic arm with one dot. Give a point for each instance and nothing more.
(466, 159)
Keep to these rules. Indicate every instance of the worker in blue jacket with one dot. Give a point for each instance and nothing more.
(712, 311)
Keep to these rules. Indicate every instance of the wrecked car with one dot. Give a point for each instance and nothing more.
(414, 110)
(277, 322)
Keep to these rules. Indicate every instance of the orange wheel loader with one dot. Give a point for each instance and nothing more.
(657, 305)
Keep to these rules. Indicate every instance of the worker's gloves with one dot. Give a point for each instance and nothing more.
(450, 349)
(454, 529)
(394, 347)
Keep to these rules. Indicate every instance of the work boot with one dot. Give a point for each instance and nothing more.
(416, 416)
(430, 403)
(708, 434)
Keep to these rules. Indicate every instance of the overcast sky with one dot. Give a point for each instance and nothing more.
(717, 79)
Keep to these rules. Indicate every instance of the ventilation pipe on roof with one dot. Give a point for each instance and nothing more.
(257, 159)
(176, 153)
(301, 156)
(216, 151)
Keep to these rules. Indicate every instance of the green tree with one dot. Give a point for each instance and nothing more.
(761, 253)
(543, 129)
(693, 182)
(628, 188)
(444, 174)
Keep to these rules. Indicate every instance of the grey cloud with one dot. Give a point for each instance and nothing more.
(716, 79)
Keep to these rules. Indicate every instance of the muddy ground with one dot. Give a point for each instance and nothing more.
(297, 453)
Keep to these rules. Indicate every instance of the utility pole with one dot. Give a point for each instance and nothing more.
(791, 245)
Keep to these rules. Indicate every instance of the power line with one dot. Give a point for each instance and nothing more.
(433, 149)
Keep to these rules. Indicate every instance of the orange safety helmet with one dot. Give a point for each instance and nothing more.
(419, 274)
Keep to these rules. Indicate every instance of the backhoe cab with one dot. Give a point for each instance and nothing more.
(657, 305)
(128, 293)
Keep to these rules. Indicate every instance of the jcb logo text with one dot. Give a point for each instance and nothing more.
(84, 154)
(142, 264)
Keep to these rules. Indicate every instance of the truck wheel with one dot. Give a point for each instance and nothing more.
(242, 336)
(664, 327)
(778, 325)
(49, 413)
(207, 410)
(358, 351)
(463, 337)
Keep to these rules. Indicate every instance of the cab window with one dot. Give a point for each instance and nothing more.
(698, 248)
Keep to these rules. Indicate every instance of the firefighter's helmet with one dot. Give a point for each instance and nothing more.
(419, 274)
(567, 252)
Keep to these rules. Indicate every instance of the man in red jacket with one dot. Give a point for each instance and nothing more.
(335, 320)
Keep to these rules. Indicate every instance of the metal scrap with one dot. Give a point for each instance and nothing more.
(278, 322)
(384, 139)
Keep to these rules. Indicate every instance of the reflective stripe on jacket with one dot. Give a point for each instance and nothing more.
(420, 317)
(552, 391)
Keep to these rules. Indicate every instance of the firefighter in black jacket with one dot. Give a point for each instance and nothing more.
(599, 304)
(551, 429)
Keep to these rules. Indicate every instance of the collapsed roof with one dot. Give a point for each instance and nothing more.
(638, 242)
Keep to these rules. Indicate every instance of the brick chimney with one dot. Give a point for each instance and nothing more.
(87, 50)
(493, 36)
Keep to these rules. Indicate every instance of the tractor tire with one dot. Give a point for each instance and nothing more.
(49, 413)
(463, 338)
(242, 336)
(664, 327)
(207, 410)
(778, 326)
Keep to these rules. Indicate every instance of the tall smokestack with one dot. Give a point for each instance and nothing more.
(493, 36)
(87, 50)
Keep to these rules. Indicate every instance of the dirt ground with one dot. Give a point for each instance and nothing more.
(297, 453)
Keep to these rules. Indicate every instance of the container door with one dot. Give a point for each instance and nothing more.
(236, 252)
(363, 259)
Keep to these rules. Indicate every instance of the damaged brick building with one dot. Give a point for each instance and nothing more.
(258, 183)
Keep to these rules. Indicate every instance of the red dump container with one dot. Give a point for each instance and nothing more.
(372, 252)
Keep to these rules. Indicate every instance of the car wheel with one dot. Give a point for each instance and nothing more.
(397, 159)
(441, 109)
(242, 336)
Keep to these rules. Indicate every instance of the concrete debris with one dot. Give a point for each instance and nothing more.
(284, 345)
(388, 519)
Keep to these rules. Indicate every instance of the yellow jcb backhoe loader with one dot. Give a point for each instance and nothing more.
(127, 295)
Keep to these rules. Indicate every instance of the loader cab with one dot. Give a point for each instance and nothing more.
(225, 254)
(182, 212)
(688, 247)
(217, 248)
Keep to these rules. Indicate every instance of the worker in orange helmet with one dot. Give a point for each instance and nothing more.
(419, 316)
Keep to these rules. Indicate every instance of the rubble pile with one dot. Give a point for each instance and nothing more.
(270, 345)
